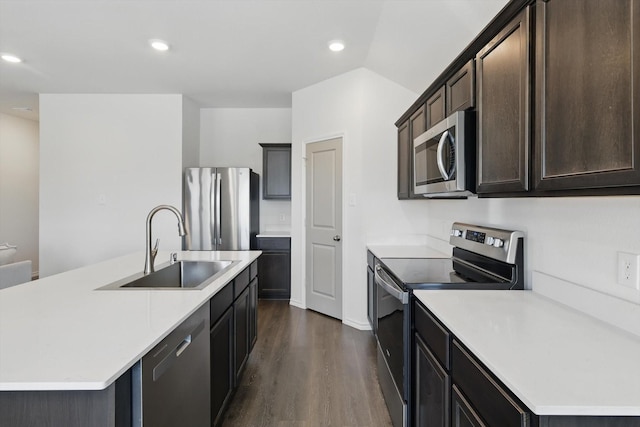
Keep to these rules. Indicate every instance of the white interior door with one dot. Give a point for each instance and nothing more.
(324, 227)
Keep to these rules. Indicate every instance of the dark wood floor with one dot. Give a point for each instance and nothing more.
(308, 370)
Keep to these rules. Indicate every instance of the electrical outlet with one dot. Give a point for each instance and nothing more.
(628, 274)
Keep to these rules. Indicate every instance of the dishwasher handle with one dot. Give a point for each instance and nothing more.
(389, 285)
(168, 361)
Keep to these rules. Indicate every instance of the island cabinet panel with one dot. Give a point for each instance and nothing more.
(101, 408)
(241, 323)
(503, 79)
(587, 94)
(222, 373)
(404, 161)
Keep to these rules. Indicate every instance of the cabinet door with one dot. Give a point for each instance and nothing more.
(431, 385)
(503, 74)
(436, 107)
(588, 94)
(463, 414)
(371, 299)
(222, 374)
(461, 89)
(417, 126)
(253, 313)
(274, 275)
(241, 328)
(404, 161)
(276, 171)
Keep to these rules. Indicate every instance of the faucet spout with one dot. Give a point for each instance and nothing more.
(151, 251)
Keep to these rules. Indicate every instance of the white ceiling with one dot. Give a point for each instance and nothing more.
(225, 53)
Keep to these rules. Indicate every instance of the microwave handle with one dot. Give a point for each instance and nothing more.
(439, 157)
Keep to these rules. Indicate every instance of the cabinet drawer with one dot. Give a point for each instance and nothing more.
(241, 282)
(275, 243)
(433, 333)
(221, 302)
(490, 399)
(371, 260)
(253, 269)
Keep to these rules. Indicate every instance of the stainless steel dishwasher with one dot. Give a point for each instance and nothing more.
(172, 382)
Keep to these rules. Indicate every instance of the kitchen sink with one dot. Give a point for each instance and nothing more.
(179, 275)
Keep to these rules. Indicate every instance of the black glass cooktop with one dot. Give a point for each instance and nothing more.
(422, 270)
(425, 273)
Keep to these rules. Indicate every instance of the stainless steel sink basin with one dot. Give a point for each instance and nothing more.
(179, 275)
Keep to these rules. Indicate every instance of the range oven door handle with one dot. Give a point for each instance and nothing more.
(388, 284)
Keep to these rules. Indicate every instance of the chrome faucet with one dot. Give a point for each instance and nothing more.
(151, 252)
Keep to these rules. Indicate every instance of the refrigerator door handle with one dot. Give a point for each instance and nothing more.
(218, 219)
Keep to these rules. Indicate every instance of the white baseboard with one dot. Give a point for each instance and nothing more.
(298, 304)
(357, 325)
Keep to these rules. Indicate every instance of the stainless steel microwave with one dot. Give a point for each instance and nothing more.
(444, 158)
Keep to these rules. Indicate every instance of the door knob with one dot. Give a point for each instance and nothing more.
(336, 238)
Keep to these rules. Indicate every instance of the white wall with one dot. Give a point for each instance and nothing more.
(105, 162)
(362, 107)
(230, 137)
(575, 239)
(19, 140)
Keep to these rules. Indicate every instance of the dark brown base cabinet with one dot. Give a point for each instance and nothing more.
(452, 388)
(274, 266)
(222, 374)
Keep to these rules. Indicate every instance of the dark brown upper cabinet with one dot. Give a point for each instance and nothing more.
(436, 107)
(276, 171)
(417, 126)
(587, 94)
(407, 131)
(461, 89)
(404, 157)
(503, 79)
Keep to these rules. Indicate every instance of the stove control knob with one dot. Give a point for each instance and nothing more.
(498, 243)
(456, 233)
(489, 241)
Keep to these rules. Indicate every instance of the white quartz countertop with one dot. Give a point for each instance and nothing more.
(406, 251)
(556, 360)
(60, 333)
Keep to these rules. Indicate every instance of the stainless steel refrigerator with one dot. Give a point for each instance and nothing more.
(221, 209)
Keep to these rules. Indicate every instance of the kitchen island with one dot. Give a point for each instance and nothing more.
(565, 367)
(63, 334)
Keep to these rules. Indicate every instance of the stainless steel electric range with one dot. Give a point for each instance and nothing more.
(483, 258)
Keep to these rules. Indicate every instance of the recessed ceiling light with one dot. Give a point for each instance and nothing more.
(160, 45)
(336, 45)
(11, 58)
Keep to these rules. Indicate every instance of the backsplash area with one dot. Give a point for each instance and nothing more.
(575, 239)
